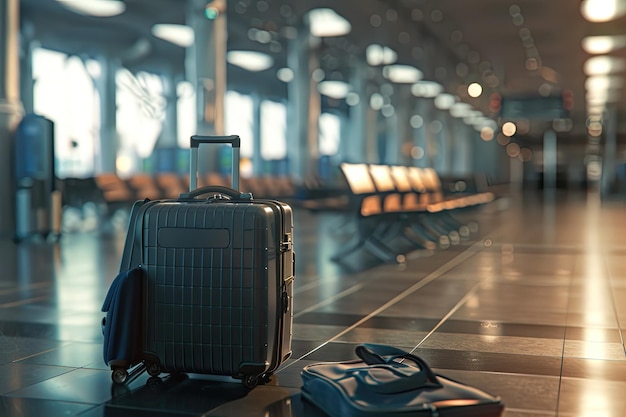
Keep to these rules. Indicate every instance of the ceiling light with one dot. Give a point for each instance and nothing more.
(377, 101)
(603, 97)
(352, 99)
(380, 55)
(444, 101)
(604, 64)
(549, 75)
(416, 121)
(402, 74)
(286, 75)
(603, 82)
(486, 133)
(326, 22)
(596, 109)
(333, 89)
(460, 110)
(474, 90)
(509, 129)
(426, 89)
(470, 120)
(180, 35)
(603, 44)
(602, 10)
(480, 121)
(475, 117)
(250, 60)
(99, 8)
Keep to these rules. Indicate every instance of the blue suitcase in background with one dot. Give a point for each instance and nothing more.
(217, 272)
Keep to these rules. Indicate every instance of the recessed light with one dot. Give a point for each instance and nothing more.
(250, 60)
(402, 74)
(603, 44)
(602, 10)
(99, 8)
(326, 22)
(180, 35)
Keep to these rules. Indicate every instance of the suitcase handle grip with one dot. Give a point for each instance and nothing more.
(195, 142)
(214, 189)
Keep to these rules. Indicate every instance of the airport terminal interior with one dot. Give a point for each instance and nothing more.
(456, 171)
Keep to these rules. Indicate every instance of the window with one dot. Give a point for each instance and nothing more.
(329, 134)
(186, 113)
(273, 130)
(140, 114)
(240, 120)
(64, 93)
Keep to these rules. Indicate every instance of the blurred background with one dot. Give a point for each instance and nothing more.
(524, 93)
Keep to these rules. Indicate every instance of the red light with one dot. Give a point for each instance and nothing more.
(568, 100)
(495, 103)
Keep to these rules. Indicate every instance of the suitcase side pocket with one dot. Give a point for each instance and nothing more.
(121, 327)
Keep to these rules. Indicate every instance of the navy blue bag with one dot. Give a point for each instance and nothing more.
(389, 382)
(121, 327)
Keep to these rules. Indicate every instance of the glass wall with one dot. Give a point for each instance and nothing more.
(64, 92)
(140, 116)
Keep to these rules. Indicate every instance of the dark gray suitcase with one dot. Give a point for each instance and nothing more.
(218, 279)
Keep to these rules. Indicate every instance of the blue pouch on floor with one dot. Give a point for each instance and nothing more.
(122, 324)
(389, 382)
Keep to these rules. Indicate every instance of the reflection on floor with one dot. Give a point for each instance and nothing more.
(532, 308)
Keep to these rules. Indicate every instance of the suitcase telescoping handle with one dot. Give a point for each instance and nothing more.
(196, 140)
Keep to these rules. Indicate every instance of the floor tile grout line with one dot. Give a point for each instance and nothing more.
(565, 327)
(457, 260)
(445, 318)
(64, 344)
(310, 286)
(307, 287)
(348, 291)
(33, 286)
(25, 301)
(614, 304)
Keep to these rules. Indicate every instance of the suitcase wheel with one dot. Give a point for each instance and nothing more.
(250, 381)
(154, 369)
(119, 375)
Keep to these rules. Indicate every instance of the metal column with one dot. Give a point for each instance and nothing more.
(391, 135)
(169, 134)
(419, 125)
(352, 145)
(549, 161)
(438, 143)
(461, 150)
(257, 160)
(402, 118)
(109, 140)
(205, 66)
(10, 109)
(610, 152)
(27, 84)
(304, 107)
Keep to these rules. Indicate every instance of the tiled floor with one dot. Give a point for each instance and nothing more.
(532, 308)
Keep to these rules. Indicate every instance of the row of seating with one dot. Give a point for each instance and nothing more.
(169, 185)
(400, 209)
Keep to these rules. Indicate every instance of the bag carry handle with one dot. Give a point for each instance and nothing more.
(215, 189)
(196, 140)
(384, 356)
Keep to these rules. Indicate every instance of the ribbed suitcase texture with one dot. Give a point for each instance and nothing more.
(218, 285)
